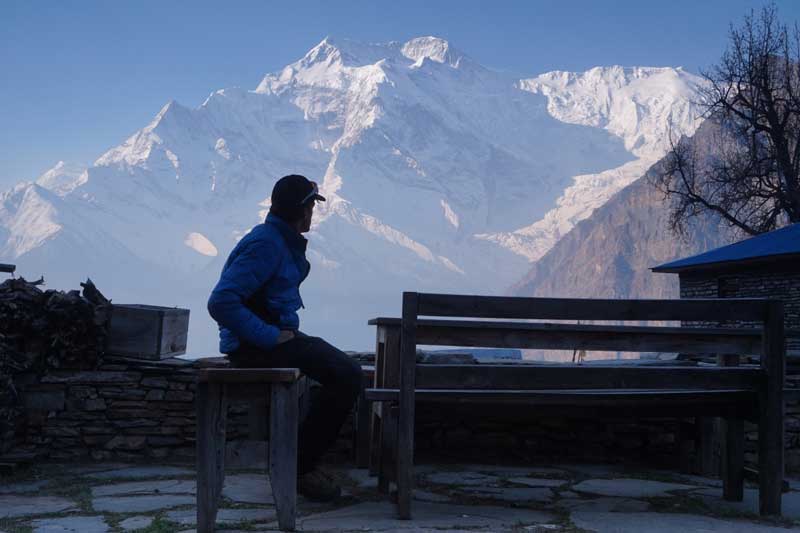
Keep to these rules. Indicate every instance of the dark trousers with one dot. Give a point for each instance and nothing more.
(341, 382)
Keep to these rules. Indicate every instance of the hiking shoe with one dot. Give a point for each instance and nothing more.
(317, 486)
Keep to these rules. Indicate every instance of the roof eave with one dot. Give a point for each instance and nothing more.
(723, 265)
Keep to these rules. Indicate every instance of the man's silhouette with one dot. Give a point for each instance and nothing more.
(255, 303)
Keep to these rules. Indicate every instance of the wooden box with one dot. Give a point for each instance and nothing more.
(148, 331)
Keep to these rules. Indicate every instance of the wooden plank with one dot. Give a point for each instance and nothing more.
(387, 460)
(543, 335)
(583, 376)
(584, 337)
(589, 309)
(375, 421)
(732, 446)
(405, 428)
(362, 435)
(771, 406)
(283, 420)
(210, 436)
(598, 397)
(248, 375)
(586, 409)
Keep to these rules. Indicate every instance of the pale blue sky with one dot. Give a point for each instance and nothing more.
(78, 77)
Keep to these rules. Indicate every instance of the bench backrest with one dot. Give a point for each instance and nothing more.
(768, 341)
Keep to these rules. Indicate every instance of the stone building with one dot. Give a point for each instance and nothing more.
(765, 266)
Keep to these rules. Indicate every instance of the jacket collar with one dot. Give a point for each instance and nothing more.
(293, 239)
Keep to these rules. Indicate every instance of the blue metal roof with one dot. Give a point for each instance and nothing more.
(784, 241)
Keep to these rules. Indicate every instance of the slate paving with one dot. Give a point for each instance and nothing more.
(119, 498)
(13, 505)
(71, 524)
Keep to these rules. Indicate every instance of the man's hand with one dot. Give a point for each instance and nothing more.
(286, 335)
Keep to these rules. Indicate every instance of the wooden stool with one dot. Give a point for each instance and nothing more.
(281, 386)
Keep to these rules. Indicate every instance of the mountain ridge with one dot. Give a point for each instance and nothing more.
(421, 151)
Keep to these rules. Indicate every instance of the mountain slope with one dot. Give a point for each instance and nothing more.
(609, 254)
(428, 160)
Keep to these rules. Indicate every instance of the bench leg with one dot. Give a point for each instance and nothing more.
(362, 434)
(211, 422)
(375, 439)
(771, 412)
(706, 464)
(283, 424)
(733, 460)
(388, 450)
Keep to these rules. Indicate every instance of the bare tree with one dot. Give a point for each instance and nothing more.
(749, 174)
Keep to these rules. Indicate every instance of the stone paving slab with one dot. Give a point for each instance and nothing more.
(380, 516)
(141, 472)
(188, 517)
(509, 471)
(89, 468)
(248, 488)
(664, 523)
(70, 524)
(21, 488)
(537, 482)
(136, 522)
(608, 505)
(172, 486)
(140, 504)
(528, 494)
(362, 478)
(427, 496)
(628, 487)
(12, 505)
(790, 502)
(462, 479)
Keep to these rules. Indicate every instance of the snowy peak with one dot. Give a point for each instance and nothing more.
(432, 48)
(642, 105)
(63, 178)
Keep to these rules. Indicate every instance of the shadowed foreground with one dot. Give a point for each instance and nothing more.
(113, 497)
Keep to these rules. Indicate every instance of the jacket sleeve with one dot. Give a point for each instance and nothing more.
(244, 276)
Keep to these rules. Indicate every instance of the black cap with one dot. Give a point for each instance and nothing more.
(295, 190)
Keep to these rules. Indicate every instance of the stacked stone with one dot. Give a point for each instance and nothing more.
(126, 409)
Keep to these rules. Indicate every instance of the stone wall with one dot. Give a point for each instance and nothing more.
(130, 409)
(126, 409)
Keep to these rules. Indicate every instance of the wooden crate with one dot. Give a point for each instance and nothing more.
(148, 331)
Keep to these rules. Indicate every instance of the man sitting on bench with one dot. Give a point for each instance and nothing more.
(255, 304)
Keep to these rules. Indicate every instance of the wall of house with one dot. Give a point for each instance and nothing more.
(779, 283)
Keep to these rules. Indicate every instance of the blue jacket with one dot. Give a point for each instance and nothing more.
(258, 293)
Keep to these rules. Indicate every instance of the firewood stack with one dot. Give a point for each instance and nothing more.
(44, 330)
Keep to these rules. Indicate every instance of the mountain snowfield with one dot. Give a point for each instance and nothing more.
(642, 106)
(440, 174)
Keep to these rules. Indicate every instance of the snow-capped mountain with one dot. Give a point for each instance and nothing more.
(429, 160)
(642, 106)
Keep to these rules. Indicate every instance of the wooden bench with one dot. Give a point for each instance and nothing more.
(215, 386)
(735, 393)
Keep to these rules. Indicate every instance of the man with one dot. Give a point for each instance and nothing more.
(255, 304)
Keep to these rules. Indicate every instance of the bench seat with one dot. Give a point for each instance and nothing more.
(594, 397)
